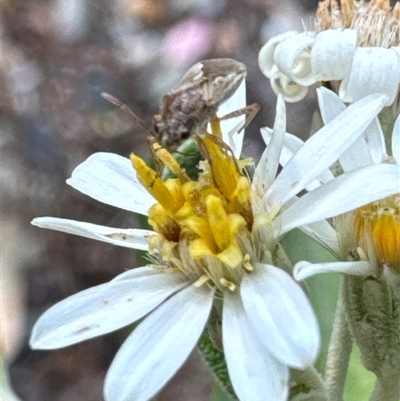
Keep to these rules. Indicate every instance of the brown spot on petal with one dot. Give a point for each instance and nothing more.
(83, 330)
(119, 236)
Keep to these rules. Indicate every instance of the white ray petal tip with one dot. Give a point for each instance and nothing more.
(292, 56)
(303, 270)
(39, 341)
(39, 221)
(266, 54)
(291, 91)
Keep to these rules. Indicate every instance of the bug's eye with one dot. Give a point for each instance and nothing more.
(185, 134)
(156, 128)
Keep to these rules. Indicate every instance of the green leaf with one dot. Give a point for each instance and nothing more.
(218, 394)
(216, 361)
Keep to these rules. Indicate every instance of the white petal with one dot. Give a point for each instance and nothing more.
(324, 234)
(347, 192)
(319, 152)
(255, 374)
(291, 145)
(374, 70)
(303, 270)
(320, 231)
(111, 179)
(102, 309)
(357, 155)
(375, 140)
(396, 140)
(292, 56)
(230, 127)
(137, 272)
(281, 315)
(158, 346)
(332, 54)
(291, 91)
(129, 238)
(275, 147)
(266, 54)
(330, 104)
(268, 165)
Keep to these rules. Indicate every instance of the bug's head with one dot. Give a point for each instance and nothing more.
(170, 135)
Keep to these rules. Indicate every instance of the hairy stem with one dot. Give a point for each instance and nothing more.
(339, 350)
(310, 377)
(386, 390)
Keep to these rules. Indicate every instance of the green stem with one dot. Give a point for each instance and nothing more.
(310, 377)
(386, 390)
(310, 386)
(339, 350)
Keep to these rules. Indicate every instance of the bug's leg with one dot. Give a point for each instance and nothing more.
(127, 110)
(202, 148)
(150, 143)
(216, 133)
(249, 111)
(219, 142)
(206, 154)
(215, 126)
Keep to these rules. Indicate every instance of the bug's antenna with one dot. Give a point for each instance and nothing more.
(125, 108)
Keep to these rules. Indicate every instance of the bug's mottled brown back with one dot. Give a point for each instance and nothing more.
(196, 99)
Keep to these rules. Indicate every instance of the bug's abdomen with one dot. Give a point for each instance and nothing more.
(190, 102)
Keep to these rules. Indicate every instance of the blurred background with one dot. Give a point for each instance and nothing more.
(57, 57)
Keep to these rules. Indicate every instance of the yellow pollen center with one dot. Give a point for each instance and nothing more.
(378, 225)
(200, 223)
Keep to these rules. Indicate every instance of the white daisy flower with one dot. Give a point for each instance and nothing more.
(355, 52)
(369, 235)
(356, 49)
(213, 246)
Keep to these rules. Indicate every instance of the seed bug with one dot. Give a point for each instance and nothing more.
(187, 109)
